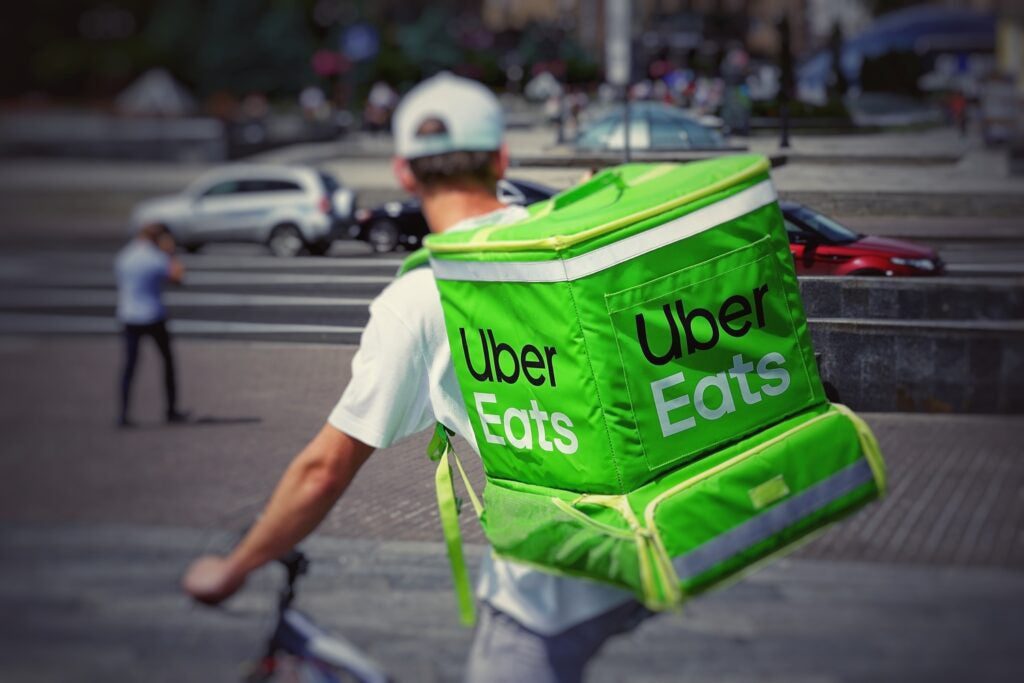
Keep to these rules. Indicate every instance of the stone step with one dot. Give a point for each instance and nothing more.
(957, 366)
(942, 298)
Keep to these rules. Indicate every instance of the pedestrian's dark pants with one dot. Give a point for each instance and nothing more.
(132, 334)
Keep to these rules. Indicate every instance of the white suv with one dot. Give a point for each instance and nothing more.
(291, 209)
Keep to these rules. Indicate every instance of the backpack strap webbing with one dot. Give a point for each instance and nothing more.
(417, 259)
(448, 508)
(448, 504)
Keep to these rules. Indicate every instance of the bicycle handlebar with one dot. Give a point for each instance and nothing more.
(295, 563)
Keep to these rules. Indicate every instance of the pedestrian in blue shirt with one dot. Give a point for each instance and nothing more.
(143, 266)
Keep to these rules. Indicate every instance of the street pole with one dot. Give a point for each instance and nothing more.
(786, 80)
(617, 62)
(625, 124)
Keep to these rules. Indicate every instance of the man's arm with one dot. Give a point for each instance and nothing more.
(175, 269)
(310, 486)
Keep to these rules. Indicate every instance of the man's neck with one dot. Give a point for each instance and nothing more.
(443, 209)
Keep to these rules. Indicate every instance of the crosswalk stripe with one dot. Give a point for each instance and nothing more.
(94, 278)
(72, 324)
(1006, 268)
(49, 298)
(201, 262)
(235, 278)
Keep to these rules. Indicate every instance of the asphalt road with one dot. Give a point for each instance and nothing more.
(240, 292)
(97, 524)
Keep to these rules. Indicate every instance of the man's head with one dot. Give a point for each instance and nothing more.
(153, 231)
(449, 136)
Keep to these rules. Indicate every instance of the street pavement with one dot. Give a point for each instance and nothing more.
(913, 173)
(238, 292)
(97, 524)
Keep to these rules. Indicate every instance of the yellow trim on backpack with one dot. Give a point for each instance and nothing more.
(560, 242)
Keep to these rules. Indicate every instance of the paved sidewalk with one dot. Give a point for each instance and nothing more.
(100, 603)
(956, 480)
(96, 526)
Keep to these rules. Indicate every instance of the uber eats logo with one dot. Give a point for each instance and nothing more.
(499, 362)
(692, 330)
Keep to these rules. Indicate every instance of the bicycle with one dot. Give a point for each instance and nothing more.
(299, 650)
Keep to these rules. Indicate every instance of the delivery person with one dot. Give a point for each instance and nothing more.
(533, 626)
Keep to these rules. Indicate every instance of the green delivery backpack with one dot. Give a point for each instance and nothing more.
(637, 368)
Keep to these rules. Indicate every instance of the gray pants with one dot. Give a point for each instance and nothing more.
(505, 652)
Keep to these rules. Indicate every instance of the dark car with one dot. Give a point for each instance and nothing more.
(395, 224)
(821, 246)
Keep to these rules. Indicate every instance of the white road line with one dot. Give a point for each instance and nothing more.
(106, 297)
(198, 262)
(100, 278)
(274, 262)
(979, 325)
(233, 278)
(1012, 268)
(67, 324)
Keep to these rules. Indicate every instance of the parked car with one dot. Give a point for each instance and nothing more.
(395, 224)
(652, 126)
(821, 246)
(291, 209)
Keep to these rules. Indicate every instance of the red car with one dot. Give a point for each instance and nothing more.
(821, 246)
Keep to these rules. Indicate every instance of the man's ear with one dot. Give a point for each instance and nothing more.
(501, 161)
(404, 175)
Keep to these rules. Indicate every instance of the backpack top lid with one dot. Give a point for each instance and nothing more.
(614, 200)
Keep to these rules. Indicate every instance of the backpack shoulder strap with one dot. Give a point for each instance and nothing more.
(448, 504)
(417, 259)
(448, 507)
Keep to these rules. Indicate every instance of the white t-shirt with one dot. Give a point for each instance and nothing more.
(141, 268)
(402, 383)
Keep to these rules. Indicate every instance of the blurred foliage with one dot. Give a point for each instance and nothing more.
(242, 46)
(251, 46)
(798, 109)
(233, 45)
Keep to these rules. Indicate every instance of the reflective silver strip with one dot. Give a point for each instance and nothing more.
(772, 520)
(564, 270)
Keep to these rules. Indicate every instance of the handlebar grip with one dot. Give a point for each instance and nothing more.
(295, 562)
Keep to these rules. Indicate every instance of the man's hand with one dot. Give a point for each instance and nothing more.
(310, 486)
(212, 579)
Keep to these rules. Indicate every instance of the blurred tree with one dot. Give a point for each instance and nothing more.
(93, 48)
(429, 42)
(253, 46)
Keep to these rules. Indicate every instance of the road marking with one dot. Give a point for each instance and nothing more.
(202, 261)
(274, 262)
(67, 324)
(979, 325)
(105, 297)
(101, 278)
(1010, 268)
(231, 278)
